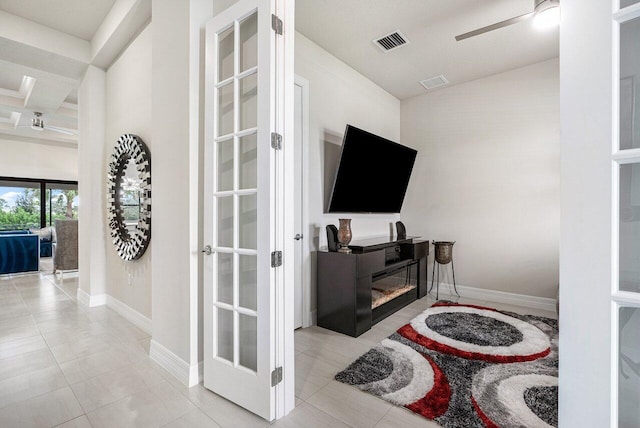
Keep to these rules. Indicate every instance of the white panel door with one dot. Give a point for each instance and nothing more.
(243, 207)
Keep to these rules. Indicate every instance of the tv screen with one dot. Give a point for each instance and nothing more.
(372, 175)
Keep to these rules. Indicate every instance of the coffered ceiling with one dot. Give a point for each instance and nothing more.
(45, 48)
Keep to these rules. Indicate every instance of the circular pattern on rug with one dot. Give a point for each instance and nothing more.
(527, 399)
(473, 341)
(543, 401)
(481, 330)
(412, 379)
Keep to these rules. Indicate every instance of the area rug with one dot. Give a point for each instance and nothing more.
(467, 366)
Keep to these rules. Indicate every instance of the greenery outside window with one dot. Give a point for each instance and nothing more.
(23, 207)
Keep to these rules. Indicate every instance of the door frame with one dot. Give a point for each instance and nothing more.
(307, 315)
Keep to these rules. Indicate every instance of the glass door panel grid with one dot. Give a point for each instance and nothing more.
(235, 212)
(625, 287)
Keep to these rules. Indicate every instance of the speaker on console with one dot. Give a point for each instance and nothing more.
(332, 237)
(402, 231)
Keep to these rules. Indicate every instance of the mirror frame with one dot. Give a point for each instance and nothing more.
(130, 246)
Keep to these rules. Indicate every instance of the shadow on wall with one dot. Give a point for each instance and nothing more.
(332, 149)
(331, 157)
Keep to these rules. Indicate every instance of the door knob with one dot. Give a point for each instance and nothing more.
(297, 237)
(208, 250)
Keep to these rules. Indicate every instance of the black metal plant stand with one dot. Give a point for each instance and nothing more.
(443, 255)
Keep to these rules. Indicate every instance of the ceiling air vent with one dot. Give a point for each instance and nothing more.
(434, 82)
(391, 41)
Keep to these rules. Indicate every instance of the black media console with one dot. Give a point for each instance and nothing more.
(379, 277)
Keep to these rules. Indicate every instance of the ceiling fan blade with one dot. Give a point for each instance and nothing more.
(61, 130)
(495, 26)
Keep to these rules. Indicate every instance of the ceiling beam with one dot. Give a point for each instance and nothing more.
(123, 22)
(47, 96)
(28, 43)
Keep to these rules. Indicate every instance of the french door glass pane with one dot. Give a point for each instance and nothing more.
(629, 368)
(249, 102)
(248, 222)
(19, 205)
(225, 58)
(248, 279)
(625, 3)
(249, 42)
(248, 161)
(225, 109)
(225, 334)
(236, 173)
(629, 81)
(225, 222)
(630, 227)
(225, 278)
(248, 341)
(225, 165)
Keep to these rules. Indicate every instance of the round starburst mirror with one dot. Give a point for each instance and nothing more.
(129, 197)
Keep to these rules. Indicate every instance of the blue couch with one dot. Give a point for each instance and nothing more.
(19, 252)
(45, 244)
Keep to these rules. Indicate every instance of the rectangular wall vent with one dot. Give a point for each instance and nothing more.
(434, 82)
(391, 41)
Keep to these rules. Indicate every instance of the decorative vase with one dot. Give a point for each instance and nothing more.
(344, 234)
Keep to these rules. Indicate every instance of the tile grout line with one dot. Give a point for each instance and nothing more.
(56, 364)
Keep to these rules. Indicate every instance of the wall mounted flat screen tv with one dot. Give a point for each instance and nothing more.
(373, 174)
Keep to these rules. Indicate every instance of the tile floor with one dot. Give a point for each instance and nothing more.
(69, 366)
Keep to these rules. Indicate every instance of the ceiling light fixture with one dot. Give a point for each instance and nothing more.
(546, 14)
(37, 123)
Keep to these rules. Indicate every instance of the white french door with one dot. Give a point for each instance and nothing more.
(244, 313)
(626, 215)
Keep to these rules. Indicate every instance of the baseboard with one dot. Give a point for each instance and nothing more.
(130, 314)
(91, 301)
(200, 370)
(313, 316)
(534, 302)
(126, 311)
(180, 369)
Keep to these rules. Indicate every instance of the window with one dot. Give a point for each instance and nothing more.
(23, 207)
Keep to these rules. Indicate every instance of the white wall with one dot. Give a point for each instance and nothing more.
(128, 111)
(92, 241)
(339, 95)
(177, 98)
(36, 160)
(488, 177)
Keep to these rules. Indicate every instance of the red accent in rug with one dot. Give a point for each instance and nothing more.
(484, 418)
(436, 402)
(411, 334)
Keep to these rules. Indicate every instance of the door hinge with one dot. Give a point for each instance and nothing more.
(276, 141)
(276, 258)
(276, 376)
(276, 24)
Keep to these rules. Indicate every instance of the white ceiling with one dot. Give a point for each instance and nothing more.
(346, 29)
(45, 48)
(80, 18)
